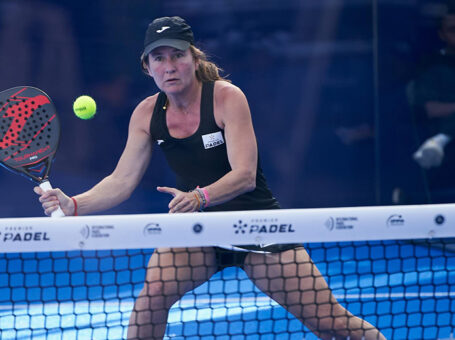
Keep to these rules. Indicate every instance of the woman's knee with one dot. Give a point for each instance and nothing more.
(153, 288)
(158, 295)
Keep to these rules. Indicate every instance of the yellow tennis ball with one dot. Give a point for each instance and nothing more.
(84, 107)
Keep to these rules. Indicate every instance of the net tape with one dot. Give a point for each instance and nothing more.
(220, 228)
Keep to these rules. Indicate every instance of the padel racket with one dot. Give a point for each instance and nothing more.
(30, 133)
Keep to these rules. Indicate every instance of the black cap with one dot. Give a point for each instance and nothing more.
(168, 31)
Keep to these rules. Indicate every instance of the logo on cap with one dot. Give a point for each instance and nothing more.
(162, 29)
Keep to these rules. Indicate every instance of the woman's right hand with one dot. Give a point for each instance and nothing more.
(52, 199)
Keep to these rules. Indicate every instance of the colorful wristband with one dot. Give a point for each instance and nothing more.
(206, 195)
(75, 206)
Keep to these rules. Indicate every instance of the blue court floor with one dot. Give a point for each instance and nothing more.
(406, 290)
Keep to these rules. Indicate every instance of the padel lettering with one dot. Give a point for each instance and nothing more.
(25, 237)
(212, 140)
(272, 228)
(33, 155)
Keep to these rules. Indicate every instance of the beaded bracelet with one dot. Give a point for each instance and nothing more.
(198, 200)
(201, 195)
(204, 195)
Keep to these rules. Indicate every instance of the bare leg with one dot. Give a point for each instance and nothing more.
(170, 274)
(293, 280)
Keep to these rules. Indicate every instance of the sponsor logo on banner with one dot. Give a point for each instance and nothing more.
(23, 234)
(96, 231)
(330, 223)
(85, 232)
(263, 226)
(152, 229)
(341, 223)
(212, 139)
(395, 220)
(197, 228)
(439, 219)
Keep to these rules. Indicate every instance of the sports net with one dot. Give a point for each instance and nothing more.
(83, 277)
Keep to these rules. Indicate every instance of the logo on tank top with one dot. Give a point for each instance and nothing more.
(212, 139)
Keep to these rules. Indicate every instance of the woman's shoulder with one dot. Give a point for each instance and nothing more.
(146, 106)
(148, 103)
(229, 103)
(143, 112)
(226, 91)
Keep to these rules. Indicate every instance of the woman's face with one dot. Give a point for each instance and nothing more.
(172, 69)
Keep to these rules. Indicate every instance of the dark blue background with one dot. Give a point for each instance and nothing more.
(313, 70)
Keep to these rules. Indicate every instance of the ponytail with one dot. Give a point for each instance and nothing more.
(207, 70)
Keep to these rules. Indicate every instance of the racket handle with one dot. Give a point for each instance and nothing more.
(46, 186)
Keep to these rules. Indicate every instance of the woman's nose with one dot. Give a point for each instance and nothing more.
(170, 67)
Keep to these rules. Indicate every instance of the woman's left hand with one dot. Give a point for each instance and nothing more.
(182, 201)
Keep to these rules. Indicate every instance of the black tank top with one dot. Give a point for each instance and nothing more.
(201, 159)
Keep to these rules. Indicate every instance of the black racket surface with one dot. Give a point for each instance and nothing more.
(29, 131)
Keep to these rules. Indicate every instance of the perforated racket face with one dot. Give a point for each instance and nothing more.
(29, 131)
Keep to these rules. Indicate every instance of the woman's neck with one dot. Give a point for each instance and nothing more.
(184, 101)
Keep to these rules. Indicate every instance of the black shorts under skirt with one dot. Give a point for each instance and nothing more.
(236, 258)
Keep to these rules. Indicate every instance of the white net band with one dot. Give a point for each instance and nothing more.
(259, 227)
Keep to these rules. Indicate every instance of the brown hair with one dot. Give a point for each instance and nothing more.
(207, 70)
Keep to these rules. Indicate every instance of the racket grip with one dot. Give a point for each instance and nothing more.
(46, 186)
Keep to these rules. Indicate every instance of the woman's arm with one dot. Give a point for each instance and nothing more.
(232, 113)
(118, 186)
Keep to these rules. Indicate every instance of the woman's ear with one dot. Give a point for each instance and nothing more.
(145, 67)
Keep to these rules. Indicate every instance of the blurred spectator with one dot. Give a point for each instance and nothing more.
(38, 48)
(354, 134)
(432, 96)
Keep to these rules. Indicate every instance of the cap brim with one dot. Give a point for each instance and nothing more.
(176, 43)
